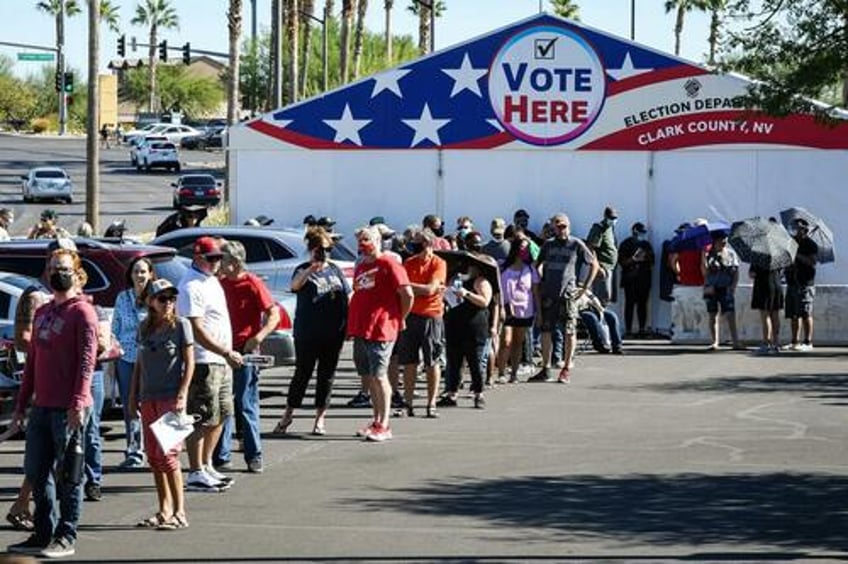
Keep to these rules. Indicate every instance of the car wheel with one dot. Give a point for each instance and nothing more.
(69, 200)
(146, 166)
(177, 168)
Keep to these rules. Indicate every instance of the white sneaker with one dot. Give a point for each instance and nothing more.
(804, 347)
(222, 479)
(200, 481)
(790, 347)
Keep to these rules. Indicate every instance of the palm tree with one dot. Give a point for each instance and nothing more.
(387, 6)
(92, 151)
(155, 14)
(110, 15)
(423, 12)
(292, 26)
(681, 6)
(234, 26)
(344, 38)
(715, 7)
(306, 22)
(566, 9)
(362, 8)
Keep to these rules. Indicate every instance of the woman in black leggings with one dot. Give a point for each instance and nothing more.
(319, 328)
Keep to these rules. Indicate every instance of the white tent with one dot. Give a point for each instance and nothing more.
(547, 115)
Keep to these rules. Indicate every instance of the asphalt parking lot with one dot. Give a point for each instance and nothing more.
(664, 454)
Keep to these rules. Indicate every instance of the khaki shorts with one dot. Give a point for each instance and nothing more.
(210, 394)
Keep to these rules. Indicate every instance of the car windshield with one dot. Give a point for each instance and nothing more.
(49, 174)
(341, 252)
(198, 181)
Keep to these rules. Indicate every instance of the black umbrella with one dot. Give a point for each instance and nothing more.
(763, 243)
(819, 232)
(458, 261)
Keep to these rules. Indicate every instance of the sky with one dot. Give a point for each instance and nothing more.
(203, 23)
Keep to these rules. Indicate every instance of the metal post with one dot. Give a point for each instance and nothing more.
(325, 48)
(632, 20)
(541, 8)
(60, 65)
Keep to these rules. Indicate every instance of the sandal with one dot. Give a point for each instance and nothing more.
(174, 523)
(21, 521)
(282, 426)
(153, 522)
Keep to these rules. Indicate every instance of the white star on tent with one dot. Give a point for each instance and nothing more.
(495, 124)
(627, 69)
(389, 81)
(347, 128)
(465, 77)
(282, 123)
(426, 127)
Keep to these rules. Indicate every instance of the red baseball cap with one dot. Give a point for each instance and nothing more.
(207, 247)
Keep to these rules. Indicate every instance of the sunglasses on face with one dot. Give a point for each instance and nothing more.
(166, 299)
(560, 225)
(213, 258)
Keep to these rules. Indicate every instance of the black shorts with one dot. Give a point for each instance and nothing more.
(518, 322)
(424, 334)
(799, 301)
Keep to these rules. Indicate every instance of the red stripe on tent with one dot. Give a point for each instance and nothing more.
(653, 77)
(724, 128)
(490, 142)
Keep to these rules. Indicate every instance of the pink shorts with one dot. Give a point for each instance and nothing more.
(159, 461)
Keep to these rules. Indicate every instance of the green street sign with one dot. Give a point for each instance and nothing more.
(36, 56)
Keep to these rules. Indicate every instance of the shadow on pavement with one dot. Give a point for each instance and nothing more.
(451, 559)
(790, 511)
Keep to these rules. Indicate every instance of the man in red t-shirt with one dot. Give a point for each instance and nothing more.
(253, 316)
(381, 301)
(425, 329)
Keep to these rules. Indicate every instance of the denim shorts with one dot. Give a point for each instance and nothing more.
(371, 358)
(721, 299)
(210, 394)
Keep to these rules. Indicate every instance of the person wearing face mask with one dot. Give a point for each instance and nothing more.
(320, 324)
(601, 240)
(434, 224)
(464, 226)
(636, 258)
(801, 287)
(201, 300)
(520, 287)
(497, 247)
(424, 331)
(7, 218)
(521, 220)
(382, 298)
(57, 378)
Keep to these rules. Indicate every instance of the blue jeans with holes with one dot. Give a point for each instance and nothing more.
(132, 425)
(246, 418)
(93, 444)
(46, 438)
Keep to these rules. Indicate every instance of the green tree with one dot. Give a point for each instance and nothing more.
(6, 64)
(110, 14)
(155, 14)
(388, 5)
(177, 90)
(798, 49)
(234, 27)
(422, 10)
(566, 9)
(361, 10)
(348, 7)
(716, 9)
(17, 100)
(682, 7)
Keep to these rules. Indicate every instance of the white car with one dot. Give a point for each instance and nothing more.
(47, 182)
(136, 134)
(175, 133)
(135, 148)
(158, 154)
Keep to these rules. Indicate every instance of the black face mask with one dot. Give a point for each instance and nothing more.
(474, 247)
(61, 281)
(521, 222)
(414, 248)
(438, 231)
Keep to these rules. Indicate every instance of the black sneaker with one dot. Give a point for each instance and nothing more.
(446, 401)
(92, 492)
(361, 399)
(59, 548)
(397, 401)
(33, 545)
(541, 376)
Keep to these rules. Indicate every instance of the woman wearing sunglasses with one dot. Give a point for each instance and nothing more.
(163, 371)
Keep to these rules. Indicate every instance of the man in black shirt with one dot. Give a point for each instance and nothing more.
(800, 287)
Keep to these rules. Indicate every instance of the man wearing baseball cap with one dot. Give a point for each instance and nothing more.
(201, 300)
(497, 247)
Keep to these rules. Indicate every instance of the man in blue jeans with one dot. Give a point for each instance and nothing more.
(253, 316)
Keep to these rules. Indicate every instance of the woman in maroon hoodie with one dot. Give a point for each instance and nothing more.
(57, 379)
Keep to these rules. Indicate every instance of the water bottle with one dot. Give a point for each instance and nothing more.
(74, 459)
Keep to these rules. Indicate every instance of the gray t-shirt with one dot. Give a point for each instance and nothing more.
(498, 250)
(160, 355)
(559, 259)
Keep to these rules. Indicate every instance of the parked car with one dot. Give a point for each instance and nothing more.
(158, 154)
(212, 136)
(136, 147)
(175, 133)
(135, 134)
(272, 254)
(47, 183)
(196, 189)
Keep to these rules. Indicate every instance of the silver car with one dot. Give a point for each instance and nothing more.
(272, 254)
(47, 182)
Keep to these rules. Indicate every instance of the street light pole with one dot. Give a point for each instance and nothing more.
(60, 68)
(632, 20)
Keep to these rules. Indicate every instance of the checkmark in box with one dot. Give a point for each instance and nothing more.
(544, 48)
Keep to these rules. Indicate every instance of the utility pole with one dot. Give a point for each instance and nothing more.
(632, 20)
(60, 68)
(92, 148)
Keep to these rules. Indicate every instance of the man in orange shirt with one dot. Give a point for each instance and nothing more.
(425, 330)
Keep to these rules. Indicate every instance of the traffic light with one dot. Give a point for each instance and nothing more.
(58, 78)
(163, 51)
(187, 54)
(69, 82)
(122, 46)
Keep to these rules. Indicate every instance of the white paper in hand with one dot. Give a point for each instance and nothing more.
(172, 428)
